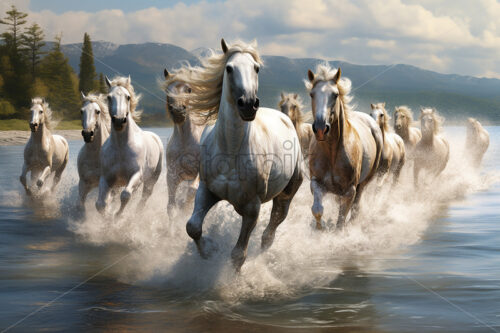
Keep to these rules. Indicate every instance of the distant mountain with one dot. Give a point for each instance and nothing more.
(455, 96)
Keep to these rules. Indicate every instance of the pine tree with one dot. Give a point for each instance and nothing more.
(103, 89)
(32, 40)
(61, 82)
(12, 37)
(87, 69)
(13, 62)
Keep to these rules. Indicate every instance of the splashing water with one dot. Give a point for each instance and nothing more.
(162, 254)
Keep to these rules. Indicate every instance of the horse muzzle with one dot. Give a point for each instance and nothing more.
(118, 123)
(34, 127)
(320, 131)
(88, 136)
(248, 108)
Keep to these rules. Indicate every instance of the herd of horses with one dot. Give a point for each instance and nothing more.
(225, 146)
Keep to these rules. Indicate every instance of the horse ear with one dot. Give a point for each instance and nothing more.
(165, 73)
(295, 95)
(336, 78)
(128, 79)
(224, 46)
(83, 95)
(310, 75)
(372, 106)
(383, 104)
(108, 82)
(282, 95)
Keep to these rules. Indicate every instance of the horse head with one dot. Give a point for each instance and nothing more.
(241, 76)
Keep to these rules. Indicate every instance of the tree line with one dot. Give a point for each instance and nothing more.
(28, 69)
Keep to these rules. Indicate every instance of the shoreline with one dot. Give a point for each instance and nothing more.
(19, 138)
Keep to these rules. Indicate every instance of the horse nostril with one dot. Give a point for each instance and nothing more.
(113, 118)
(91, 133)
(314, 128)
(327, 128)
(256, 103)
(241, 102)
(124, 120)
(83, 133)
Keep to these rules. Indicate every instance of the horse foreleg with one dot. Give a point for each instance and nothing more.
(346, 201)
(102, 200)
(83, 190)
(249, 220)
(281, 204)
(416, 171)
(317, 207)
(172, 183)
(22, 179)
(126, 194)
(43, 177)
(203, 202)
(191, 191)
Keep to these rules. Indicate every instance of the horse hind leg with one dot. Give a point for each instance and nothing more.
(59, 171)
(250, 215)
(281, 204)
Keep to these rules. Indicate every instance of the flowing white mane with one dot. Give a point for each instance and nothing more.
(134, 98)
(206, 80)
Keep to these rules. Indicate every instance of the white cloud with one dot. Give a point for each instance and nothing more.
(457, 36)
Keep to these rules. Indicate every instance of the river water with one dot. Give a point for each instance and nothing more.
(413, 261)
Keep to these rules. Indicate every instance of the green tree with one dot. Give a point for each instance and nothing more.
(101, 87)
(14, 20)
(60, 82)
(13, 63)
(32, 40)
(87, 69)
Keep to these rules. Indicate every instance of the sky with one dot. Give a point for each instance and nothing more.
(447, 36)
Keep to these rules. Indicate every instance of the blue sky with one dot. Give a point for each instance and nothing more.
(448, 36)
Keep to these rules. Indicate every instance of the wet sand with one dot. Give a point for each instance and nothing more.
(14, 138)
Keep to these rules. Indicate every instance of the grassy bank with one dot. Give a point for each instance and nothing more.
(23, 125)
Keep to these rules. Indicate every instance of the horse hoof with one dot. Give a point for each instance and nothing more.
(206, 247)
(238, 258)
(266, 242)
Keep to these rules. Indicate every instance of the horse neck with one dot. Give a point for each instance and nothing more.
(184, 130)
(127, 134)
(101, 135)
(428, 138)
(230, 129)
(42, 133)
(339, 129)
(404, 133)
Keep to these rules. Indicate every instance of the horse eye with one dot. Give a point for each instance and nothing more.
(128, 98)
(229, 69)
(98, 112)
(311, 94)
(41, 112)
(81, 111)
(189, 90)
(257, 69)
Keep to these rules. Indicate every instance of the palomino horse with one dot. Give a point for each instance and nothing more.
(432, 151)
(45, 153)
(248, 156)
(183, 148)
(346, 152)
(403, 126)
(476, 142)
(130, 157)
(393, 153)
(291, 105)
(96, 124)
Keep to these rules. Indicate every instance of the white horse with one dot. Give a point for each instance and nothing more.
(130, 157)
(96, 124)
(392, 159)
(476, 142)
(249, 156)
(183, 148)
(403, 126)
(432, 151)
(45, 153)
